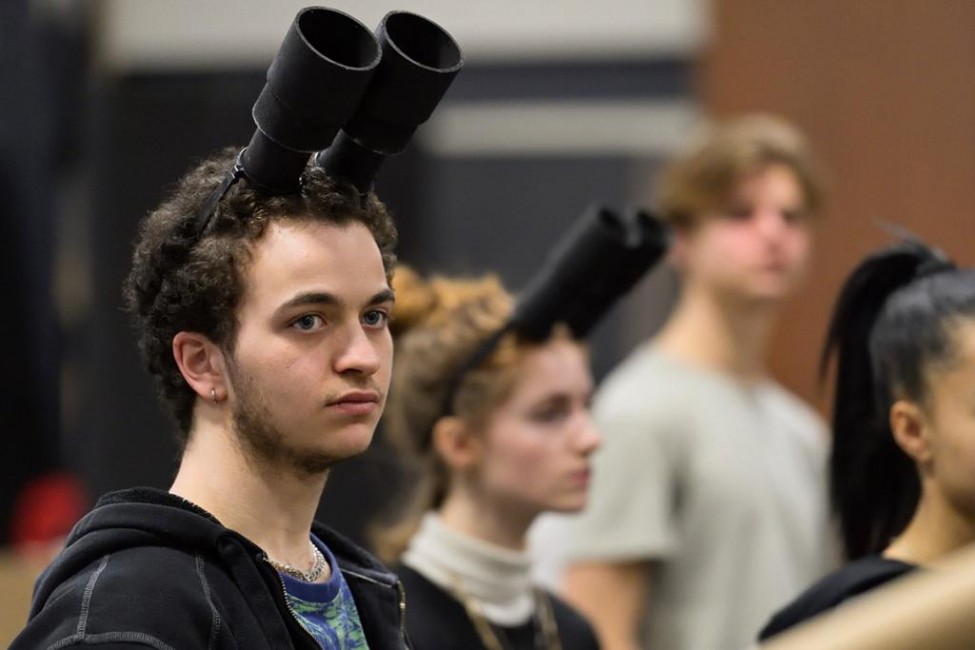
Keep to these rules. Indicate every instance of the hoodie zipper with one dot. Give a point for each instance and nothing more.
(399, 590)
(287, 603)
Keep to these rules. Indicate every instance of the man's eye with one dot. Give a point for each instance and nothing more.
(308, 322)
(375, 318)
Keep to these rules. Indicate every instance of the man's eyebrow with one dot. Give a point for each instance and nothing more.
(310, 298)
(386, 295)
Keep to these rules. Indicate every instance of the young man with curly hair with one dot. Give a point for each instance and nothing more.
(266, 333)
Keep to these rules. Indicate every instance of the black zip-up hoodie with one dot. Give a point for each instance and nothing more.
(147, 569)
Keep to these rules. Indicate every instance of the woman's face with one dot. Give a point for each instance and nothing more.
(950, 411)
(536, 445)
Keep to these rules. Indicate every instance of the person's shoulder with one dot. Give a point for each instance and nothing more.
(574, 629)
(847, 582)
(155, 583)
(796, 419)
(794, 407)
(648, 384)
(135, 596)
(131, 574)
(647, 364)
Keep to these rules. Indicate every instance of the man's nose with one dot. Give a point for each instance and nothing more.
(771, 222)
(359, 352)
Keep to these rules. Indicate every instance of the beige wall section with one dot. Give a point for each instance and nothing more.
(886, 90)
(17, 579)
(192, 34)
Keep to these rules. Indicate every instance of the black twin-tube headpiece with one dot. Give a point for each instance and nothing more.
(595, 263)
(353, 97)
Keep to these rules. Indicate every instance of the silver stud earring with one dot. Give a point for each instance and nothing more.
(213, 394)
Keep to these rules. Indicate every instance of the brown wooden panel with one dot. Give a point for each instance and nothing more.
(886, 91)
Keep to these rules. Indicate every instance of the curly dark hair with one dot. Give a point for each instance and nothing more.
(182, 282)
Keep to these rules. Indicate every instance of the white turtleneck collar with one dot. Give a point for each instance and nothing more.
(496, 579)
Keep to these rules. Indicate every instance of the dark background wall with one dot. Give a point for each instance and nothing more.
(37, 140)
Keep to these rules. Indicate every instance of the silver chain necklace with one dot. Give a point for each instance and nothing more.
(312, 574)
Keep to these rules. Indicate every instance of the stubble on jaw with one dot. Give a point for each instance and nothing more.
(262, 443)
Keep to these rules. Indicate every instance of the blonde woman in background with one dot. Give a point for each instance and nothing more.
(494, 446)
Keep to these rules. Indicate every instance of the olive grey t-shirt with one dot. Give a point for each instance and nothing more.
(720, 482)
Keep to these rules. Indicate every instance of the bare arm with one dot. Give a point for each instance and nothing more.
(613, 596)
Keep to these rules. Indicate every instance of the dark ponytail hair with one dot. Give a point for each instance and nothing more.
(891, 323)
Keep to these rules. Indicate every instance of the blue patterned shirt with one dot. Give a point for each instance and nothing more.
(327, 609)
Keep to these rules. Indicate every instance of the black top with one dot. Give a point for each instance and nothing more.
(147, 569)
(435, 620)
(836, 588)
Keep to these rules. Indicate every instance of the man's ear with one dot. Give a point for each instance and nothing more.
(911, 430)
(201, 363)
(456, 444)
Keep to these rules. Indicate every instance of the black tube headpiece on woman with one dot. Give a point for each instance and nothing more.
(332, 73)
(595, 263)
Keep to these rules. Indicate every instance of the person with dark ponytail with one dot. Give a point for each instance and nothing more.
(494, 442)
(902, 482)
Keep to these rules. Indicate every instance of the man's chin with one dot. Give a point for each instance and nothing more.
(311, 456)
(349, 441)
(313, 461)
(319, 461)
(769, 293)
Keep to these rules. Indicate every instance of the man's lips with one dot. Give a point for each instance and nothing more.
(359, 402)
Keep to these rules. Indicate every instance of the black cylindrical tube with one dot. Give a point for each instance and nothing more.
(314, 85)
(598, 260)
(348, 160)
(647, 241)
(419, 62)
(578, 270)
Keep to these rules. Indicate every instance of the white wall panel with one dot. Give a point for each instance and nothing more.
(140, 34)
